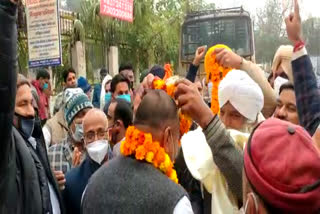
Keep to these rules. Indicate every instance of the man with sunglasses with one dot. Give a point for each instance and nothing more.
(98, 151)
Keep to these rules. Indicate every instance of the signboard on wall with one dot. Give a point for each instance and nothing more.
(120, 9)
(44, 43)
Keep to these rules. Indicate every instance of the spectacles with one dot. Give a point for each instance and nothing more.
(91, 136)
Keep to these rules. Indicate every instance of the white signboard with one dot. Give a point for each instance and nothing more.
(43, 33)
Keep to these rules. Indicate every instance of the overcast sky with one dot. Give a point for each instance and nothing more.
(308, 7)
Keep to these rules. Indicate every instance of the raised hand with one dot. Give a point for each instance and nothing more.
(142, 90)
(293, 25)
(199, 55)
(76, 157)
(227, 58)
(191, 103)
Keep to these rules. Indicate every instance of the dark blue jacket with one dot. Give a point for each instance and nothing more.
(192, 73)
(76, 182)
(24, 171)
(307, 93)
(96, 96)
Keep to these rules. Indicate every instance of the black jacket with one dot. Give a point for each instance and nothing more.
(20, 181)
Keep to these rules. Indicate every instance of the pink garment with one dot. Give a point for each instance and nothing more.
(43, 101)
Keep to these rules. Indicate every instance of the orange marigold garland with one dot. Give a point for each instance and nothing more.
(142, 146)
(185, 121)
(168, 72)
(215, 73)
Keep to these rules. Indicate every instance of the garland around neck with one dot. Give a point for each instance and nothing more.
(143, 148)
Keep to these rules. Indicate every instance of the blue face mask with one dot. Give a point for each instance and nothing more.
(126, 97)
(107, 97)
(45, 86)
(25, 125)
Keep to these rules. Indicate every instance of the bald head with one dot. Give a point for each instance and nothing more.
(94, 122)
(157, 110)
(158, 114)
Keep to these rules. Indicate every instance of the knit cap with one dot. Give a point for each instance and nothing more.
(283, 166)
(83, 84)
(74, 105)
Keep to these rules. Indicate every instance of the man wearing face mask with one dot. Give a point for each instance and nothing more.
(286, 183)
(67, 154)
(98, 151)
(119, 114)
(120, 88)
(41, 84)
(27, 184)
(56, 128)
(105, 95)
(139, 186)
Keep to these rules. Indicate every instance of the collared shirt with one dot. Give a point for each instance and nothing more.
(183, 206)
(116, 148)
(60, 155)
(306, 90)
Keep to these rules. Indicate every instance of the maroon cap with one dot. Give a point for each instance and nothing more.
(283, 166)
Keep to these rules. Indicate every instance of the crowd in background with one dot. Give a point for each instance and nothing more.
(260, 154)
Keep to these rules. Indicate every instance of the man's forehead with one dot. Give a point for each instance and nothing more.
(24, 93)
(126, 71)
(71, 75)
(287, 96)
(122, 86)
(95, 120)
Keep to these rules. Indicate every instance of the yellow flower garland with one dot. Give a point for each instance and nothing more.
(142, 146)
(215, 73)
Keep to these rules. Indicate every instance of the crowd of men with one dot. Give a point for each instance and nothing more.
(72, 162)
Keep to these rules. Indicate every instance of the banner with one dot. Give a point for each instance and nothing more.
(120, 9)
(44, 43)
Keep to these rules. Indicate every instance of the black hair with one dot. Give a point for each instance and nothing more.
(286, 86)
(106, 107)
(158, 71)
(104, 70)
(66, 73)
(116, 80)
(42, 73)
(123, 111)
(125, 67)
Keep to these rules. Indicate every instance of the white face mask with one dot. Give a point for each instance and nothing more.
(78, 134)
(98, 150)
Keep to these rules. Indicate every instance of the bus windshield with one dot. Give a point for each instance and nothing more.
(234, 31)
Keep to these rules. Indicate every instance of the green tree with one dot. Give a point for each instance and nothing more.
(269, 31)
(311, 33)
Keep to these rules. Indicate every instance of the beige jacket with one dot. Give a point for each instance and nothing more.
(56, 129)
(257, 74)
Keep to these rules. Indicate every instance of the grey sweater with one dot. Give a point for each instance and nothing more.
(126, 185)
(226, 155)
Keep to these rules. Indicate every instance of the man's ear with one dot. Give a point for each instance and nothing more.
(166, 139)
(119, 124)
(168, 145)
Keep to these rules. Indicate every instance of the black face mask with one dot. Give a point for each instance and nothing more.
(37, 131)
(24, 124)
